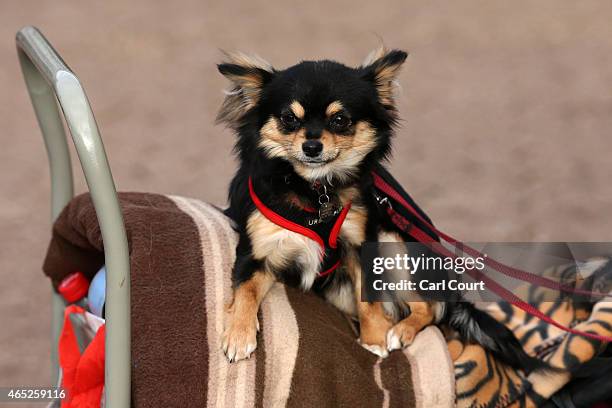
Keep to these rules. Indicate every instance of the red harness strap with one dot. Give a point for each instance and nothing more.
(508, 296)
(332, 241)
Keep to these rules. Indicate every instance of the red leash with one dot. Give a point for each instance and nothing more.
(505, 269)
(418, 234)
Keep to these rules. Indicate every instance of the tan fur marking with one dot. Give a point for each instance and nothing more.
(334, 108)
(279, 247)
(240, 335)
(248, 60)
(374, 55)
(389, 236)
(365, 137)
(353, 228)
(354, 149)
(374, 324)
(245, 90)
(347, 151)
(328, 141)
(373, 321)
(343, 297)
(244, 95)
(270, 130)
(349, 194)
(385, 75)
(344, 152)
(421, 315)
(272, 141)
(249, 294)
(297, 109)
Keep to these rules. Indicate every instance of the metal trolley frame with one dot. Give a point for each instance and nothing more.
(53, 86)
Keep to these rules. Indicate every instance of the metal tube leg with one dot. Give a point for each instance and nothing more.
(47, 76)
(50, 122)
(57, 318)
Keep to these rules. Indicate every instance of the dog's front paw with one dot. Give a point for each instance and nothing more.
(379, 349)
(240, 338)
(372, 334)
(374, 341)
(399, 336)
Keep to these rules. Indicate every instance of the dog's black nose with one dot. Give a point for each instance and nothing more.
(312, 148)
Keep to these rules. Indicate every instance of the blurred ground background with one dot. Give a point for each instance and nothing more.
(507, 110)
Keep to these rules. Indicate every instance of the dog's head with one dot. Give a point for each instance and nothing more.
(321, 116)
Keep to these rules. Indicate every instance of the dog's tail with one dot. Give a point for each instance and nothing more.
(477, 326)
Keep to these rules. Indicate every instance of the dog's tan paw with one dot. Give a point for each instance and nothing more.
(399, 336)
(372, 334)
(240, 338)
(374, 342)
(379, 350)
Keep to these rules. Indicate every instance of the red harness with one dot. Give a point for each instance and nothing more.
(323, 233)
(421, 236)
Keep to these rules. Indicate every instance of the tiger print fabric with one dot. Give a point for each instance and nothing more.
(481, 381)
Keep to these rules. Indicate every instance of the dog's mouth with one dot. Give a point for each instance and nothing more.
(314, 162)
(317, 161)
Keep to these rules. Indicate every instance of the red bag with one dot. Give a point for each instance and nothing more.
(82, 373)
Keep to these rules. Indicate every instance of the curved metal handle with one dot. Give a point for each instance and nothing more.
(47, 76)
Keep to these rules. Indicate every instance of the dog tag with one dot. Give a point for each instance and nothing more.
(327, 207)
(326, 211)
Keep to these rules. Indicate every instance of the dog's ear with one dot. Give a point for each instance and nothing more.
(381, 67)
(248, 75)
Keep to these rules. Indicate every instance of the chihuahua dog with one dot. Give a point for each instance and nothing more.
(303, 202)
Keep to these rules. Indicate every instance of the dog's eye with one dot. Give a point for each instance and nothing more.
(289, 120)
(340, 122)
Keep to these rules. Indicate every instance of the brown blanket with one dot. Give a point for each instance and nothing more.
(182, 252)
